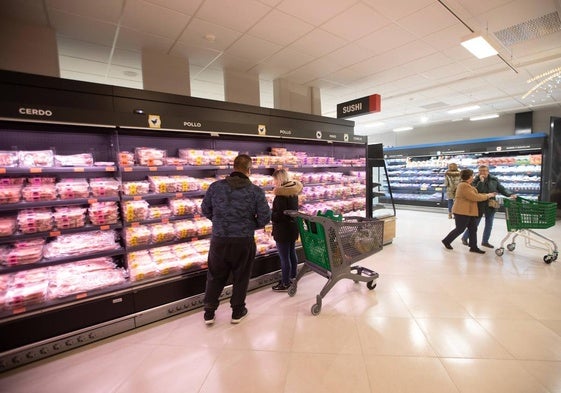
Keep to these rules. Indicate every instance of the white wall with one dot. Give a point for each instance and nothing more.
(462, 130)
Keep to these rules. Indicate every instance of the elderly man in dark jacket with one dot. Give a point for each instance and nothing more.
(237, 208)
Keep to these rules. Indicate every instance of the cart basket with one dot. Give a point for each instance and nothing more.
(528, 214)
(330, 241)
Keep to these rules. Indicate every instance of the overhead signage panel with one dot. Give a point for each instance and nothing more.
(359, 106)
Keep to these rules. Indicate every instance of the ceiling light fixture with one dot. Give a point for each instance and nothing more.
(424, 119)
(464, 109)
(484, 117)
(479, 45)
(400, 129)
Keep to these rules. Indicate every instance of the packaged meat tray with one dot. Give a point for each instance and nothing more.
(104, 187)
(28, 294)
(186, 183)
(141, 266)
(161, 184)
(156, 212)
(81, 243)
(136, 210)
(73, 188)
(78, 160)
(174, 161)
(66, 217)
(22, 253)
(37, 158)
(10, 193)
(41, 180)
(148, 156)
(162, 232)
(9, 158)
(126, 158)
(136, 187)
(35, 220)
(181, 207)
(43, 192)
(185, 228)
(12, 181)
(103, 213)
(194, 157)
(7, 226)
(204, 226)
(138, 236)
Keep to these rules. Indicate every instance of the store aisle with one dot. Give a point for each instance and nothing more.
(439, 321)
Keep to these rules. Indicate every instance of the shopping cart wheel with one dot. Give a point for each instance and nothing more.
(548, 258)
(500, 251)
(511, 246)
(555, 255)
(316, 308)
(371, 285)
(292, 290)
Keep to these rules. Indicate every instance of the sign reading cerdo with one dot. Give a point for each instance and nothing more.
(360, 106)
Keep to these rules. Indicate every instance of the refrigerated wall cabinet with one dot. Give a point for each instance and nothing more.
(100, 227)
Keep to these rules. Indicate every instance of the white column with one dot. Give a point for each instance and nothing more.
(27, 48)
(293, 97)
(241, 88)
(165, 73)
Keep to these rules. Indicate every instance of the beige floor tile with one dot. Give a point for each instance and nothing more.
(493, 307)
(548, 373)
(553, 325)
(381, 304)
(326, 334)
(491, 376)
(262, 332)
(241, 371)
(392, 336)
(525, 339)
(433, 305)
(171, 369)
(408, 375)
(461, 337)
(311, 373)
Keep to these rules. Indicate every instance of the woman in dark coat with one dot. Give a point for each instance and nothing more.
(285, 229)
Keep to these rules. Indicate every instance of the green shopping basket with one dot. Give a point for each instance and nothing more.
(312, 235)
(528, 214)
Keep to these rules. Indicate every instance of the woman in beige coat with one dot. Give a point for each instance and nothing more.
(465, 211)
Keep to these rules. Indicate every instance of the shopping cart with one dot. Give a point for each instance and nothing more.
(332, 244)
(523, 215)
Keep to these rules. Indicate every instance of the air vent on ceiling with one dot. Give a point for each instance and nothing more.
(434, 105)
(533, 28)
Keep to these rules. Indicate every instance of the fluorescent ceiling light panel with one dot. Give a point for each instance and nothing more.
(464, 109)
(478, 46)
(400, 129)
(484, 117)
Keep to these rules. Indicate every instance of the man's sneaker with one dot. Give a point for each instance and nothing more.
(237, 316)
(280, 287)
(209, 317)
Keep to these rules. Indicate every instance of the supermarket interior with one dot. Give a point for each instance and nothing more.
(117, 116)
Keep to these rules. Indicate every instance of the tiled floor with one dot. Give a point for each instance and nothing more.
(438, 321)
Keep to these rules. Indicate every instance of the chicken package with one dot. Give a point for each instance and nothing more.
(104, 187)
(136, 210)
(136, 187)
(12, 181)
(41, 180)
(138, 236)
(69, 217)
(35, 220)
(28, 294)
(185, 228)
(73, 188)
(10, 193)
(23, 252)
(37, 158)
(181, 207)
(159, 212)
(194, 157)
(161, 184)
(9, 158)
(43, 192)
(204, 226)
(141, 266)
(148, 156)
(7, 226)
(81, 243)
(186, 183)
(79, 160)
(162, 232)
(126, 158)
(103, 213)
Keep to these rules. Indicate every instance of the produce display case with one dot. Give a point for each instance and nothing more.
(152, 239)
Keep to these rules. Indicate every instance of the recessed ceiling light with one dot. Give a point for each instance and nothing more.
(210, 37)
(464, 109)
(479, 46)
(400, 129)
(424, 119)
(484, 117)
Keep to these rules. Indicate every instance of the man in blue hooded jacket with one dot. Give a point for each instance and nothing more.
(236, 207)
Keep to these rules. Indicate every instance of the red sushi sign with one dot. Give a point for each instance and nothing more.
(360, 106)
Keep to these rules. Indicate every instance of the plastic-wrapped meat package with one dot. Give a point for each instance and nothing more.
(204, 226)
(81, 159)
(194, 157)
(23, 252)
(141, 266)
(42, 192)
(136, 187)
(181, 207)
(35, 220)
(186, 183)
(69, 217)
(73, 188)
(205, 183)
(156, 212)
(135, 210)
(162, 232)
(10, 193)
(126, 158)
(137, 236)
(150, 156)
(7, 226)
(166, 260)
(12, 181)
(185, 253)
(80, 243)
(9, 158)
(185, 228)
(37, 158)
(41, 180)
(5, 280)
(174, 161)
(104, 187)
(103, 213)
(27, 288)
(161, 184)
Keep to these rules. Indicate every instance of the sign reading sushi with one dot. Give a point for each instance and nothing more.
(359, 106)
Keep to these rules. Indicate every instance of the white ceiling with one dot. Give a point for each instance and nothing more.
(408, 51)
